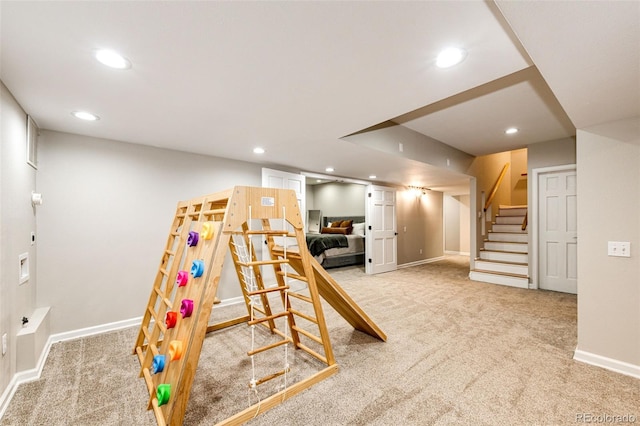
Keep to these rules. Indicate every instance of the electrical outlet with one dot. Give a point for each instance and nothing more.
(4, 344)
(619, 248)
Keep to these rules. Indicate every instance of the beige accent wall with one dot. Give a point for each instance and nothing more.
(518, 171)
(608, 159)
(17, 220)
(339, 199)
(420, 225)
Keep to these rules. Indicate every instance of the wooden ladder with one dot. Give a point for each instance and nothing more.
(169, 351)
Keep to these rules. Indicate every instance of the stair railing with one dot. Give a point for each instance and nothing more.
(495, 187)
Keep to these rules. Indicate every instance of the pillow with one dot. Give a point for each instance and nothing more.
(346, 224)
(358, 229)
(336, 224)
(335, 230)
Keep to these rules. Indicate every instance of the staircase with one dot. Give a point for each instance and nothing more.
(505, 257)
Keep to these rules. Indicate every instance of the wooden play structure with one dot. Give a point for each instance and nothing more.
(177, 315)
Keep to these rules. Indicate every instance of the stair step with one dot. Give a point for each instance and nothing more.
(512, 210)
(511, 280)
(497, 227)
(504, 256)
(521, 269)
(511, 237)
(509, 220)
(506, 246)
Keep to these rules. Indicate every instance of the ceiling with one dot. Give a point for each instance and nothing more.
(220, 78)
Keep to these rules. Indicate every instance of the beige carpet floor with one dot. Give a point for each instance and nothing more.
(458, 353)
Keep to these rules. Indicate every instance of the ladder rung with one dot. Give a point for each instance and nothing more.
(300, 296)
(152, 312)
(139, 354)
(312, 352)
(163, 271)
(214, 211)
(160, 324)
(151, 388)
(268, 318)
(279, 251)
(264, 262)
(269, 232)
(145, 332)
(170, 253)
(259, 309)
(154, 349)
(303, 315)
(175, 234)
(293, 276)
(271, 376)
(267, 290)
(271, 346)
(306, 333)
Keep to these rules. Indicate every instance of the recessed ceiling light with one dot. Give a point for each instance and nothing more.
(83, 115)
(450, 57)
(112, 59)
(372, 176)
(329, 169)
(511, 130)
(258, 150)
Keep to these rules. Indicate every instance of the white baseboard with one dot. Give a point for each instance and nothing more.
(457, 253)
(34, 374)
(420, 262)
(608, 363)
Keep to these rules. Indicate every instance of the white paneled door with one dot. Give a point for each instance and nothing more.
(558, 238)
(285, 180)
(381, 237)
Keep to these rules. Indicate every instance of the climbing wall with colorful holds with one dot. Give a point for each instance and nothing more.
(169, 321)
(176, 318)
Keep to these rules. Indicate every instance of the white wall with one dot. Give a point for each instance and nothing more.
(105, 221)
(609, 210)
(17, 220)
(457, 232)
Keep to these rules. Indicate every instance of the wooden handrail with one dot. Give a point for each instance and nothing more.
(524, 221)
(496, 186)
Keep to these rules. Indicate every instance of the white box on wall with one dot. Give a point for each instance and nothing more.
(23, 266)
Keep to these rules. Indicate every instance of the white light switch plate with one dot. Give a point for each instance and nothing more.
(619, 248)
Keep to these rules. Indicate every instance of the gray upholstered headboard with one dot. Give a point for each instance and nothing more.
(356, 219)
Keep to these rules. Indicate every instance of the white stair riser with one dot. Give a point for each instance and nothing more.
(504, 246)
(508, 237)
(502, 267)
(510, 220)
(512, 212)
(496, 227)
(504, 257)
(499, 279)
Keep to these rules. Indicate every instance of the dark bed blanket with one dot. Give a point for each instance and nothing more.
(318, 243)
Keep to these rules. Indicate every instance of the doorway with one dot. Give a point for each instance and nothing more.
(556, 242)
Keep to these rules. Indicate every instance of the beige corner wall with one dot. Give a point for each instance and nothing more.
(420, 226)
(608, 159)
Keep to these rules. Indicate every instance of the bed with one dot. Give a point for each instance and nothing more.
(338, 247)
